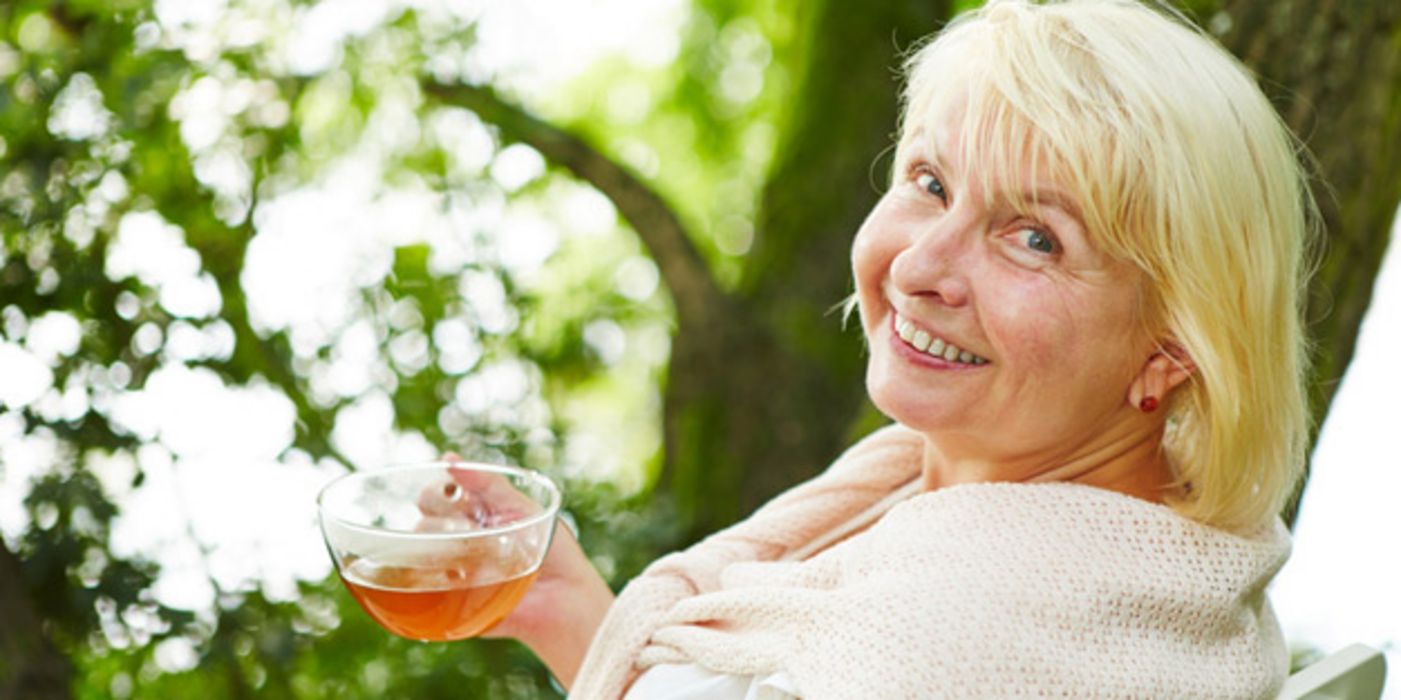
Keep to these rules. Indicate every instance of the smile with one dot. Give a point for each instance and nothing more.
(921, 340)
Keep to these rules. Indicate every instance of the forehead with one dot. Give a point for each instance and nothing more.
(1011, 115)
(1001, 157)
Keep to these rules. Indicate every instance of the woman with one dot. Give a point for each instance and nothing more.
(1081, 301)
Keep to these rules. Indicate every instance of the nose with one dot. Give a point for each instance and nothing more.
(936, 261)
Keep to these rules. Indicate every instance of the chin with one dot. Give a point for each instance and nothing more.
(903, 404)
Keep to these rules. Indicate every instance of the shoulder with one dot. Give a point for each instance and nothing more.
(1059, 577)
(1087, 543)
(1062, 519)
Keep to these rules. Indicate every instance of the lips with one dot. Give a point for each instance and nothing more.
(928, 343)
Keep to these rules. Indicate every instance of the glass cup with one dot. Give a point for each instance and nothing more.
(439, 551)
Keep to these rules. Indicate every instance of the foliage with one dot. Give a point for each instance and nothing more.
(114, 118)
(479, 299)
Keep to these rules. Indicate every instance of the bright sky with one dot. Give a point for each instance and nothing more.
(1343, 583)
(214, 454)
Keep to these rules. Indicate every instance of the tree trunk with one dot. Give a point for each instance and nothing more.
(765, 389)
(768, 398)
(1333, 70)
(771, 401)
(30, 666)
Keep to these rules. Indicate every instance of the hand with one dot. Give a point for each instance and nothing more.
(561, 611)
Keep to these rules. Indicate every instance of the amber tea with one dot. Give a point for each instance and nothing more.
(439, 552)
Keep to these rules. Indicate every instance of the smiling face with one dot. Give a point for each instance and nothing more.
(1047, 329)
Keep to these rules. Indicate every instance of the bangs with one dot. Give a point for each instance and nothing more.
(1177, 165)
(1032, 107)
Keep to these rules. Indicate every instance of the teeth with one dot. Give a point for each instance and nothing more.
(920, 339)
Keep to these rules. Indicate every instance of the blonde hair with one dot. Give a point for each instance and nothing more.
(1180, 167)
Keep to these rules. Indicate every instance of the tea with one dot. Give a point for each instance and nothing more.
(434, 603)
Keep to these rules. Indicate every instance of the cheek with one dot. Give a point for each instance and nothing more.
(871, 254)
(868, 247)
(863, 259)
(1055, 334)
(1024, 315)
(1034, 324)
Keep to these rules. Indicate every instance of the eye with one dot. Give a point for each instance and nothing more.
(931, 184)
(1037, 240)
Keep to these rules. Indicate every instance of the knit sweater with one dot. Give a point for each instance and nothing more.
(976, 590)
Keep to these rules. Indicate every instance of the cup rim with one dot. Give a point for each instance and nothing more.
(551, 509)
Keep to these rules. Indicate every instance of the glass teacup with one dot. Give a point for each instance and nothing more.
(439, 551)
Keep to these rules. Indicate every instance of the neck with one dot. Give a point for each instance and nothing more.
(1129, 460)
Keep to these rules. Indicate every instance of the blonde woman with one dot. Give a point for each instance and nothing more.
(1081, 303)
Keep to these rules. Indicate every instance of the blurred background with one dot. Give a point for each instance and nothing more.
(252, 244)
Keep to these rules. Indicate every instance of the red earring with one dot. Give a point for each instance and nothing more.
(1149, 404)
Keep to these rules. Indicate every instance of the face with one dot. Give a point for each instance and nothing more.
(1044, 330)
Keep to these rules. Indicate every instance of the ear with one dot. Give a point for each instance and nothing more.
(1168, 367)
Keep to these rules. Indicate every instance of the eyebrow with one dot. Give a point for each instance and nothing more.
(1051, 196)
(1045, 195)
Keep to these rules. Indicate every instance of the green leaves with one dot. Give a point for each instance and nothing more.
(75, 581)
(152, 163)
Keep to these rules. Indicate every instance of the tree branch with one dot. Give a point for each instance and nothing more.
(30, 666)
(1307, 54)
(683, 270)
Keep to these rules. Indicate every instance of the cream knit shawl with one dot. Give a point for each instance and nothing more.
(978, 590)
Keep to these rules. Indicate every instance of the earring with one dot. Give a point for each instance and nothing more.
(1149, 404)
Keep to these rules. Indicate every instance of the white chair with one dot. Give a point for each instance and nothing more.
(1355, 673)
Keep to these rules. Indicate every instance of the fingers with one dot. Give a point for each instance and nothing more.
(477, 480)
(477, 498)
(495, 493)
(442, 500)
